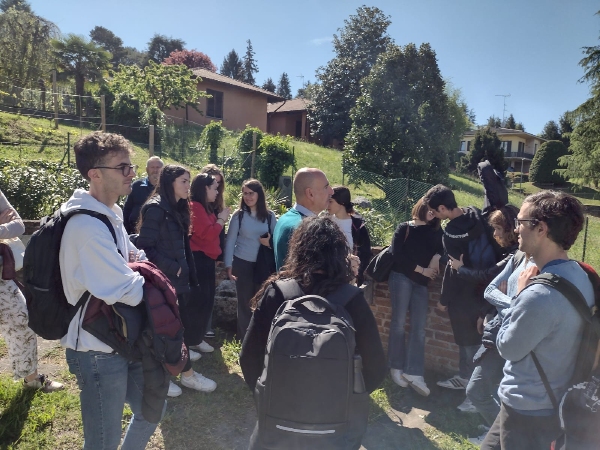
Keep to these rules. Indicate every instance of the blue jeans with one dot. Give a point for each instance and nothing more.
(107, 381)
(407, 295)
(483, 385)
(466, 353)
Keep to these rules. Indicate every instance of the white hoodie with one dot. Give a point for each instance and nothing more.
(90, 262)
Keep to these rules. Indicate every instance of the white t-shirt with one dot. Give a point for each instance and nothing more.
(346, 226)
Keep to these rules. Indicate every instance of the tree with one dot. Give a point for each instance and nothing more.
(510, 123)
(25, 50)
(519, 126)
(486, 145)
(157, 87)
(494, 122)
(545, 162)
(401, 122)
(566, 128)
(18, 5)
(462, 119)
(110, 42)
(268, 85)
(307, 91)
(283, 87)
(192, 59)
(551, 131)
(80, 59)
(362, 39)
(232, 66)
(249, 67)
(133, 57)
(160, 47)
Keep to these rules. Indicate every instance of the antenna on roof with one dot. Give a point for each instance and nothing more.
(504, 107)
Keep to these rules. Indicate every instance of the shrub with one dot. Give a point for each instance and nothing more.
(380, 227)
(275, 159)
(545, 162)
(244, 149)
(211, 137)
(40, 188)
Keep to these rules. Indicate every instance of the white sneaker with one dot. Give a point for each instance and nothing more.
(204, 347)
(397, 377)
(456, 382)
(174, 390)
(417, 383)
(194, 356)
(198, 382)
(467, 406)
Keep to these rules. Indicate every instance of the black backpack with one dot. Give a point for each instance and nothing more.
(49, 311)
(311, 393)
(579, 408)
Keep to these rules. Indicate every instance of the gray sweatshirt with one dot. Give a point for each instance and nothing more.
(15, 227)
(541, 319)
(244, 242)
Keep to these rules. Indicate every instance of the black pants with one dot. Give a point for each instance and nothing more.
(514, 431)
(245, 288)
(205, 293)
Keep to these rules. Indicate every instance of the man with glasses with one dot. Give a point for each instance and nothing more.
(467, 233)
(89, 261)
(540, 320)
(140, 192)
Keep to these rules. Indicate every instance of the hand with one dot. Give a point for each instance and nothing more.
(435, 268)
(480, 325)
(442, 307)
(8, 215)
(525, 276)
(265, 240)
(456, 263)
(224, 215)
(485, 321)
(429, 273)
(179, 272)
(502, 287)
(230, 275)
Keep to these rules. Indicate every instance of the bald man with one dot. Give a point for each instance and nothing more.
(312, 191)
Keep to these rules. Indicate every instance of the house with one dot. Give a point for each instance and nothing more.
(519, 146)
(289, 118)
(233, 102)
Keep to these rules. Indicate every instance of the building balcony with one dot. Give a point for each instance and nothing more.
(518, 155)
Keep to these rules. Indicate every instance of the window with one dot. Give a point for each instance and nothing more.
(506, 146)
(463, 146)
(214, 105)
(521, 147)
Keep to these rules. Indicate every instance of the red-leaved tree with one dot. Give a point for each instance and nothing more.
(193, 59)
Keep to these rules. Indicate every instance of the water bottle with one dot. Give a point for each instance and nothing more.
(359, 382)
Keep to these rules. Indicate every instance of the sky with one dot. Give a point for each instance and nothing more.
(528, 49)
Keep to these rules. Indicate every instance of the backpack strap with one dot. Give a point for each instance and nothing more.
(576, 298)
(518, 258)
(343, 294)
(289, 288)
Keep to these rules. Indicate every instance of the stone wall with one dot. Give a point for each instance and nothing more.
(441, 353)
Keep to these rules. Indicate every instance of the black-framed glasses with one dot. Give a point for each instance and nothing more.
(519, 222)
(125, 169)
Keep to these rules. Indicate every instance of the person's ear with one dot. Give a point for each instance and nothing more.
(93, 174)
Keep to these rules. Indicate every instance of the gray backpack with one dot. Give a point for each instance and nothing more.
(311, 393)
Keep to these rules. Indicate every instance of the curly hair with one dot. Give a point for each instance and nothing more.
(317, 258)
(562, 212)
(505, 219)
(92, 150)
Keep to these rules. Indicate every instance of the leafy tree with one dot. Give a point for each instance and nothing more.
(283, 87)
(268, 85)
(275, 159)
(308, 91)
(18, 5)
(133, 57)
(192, 59)
(462, 119)
(494, 122)
(157, 87)
(110, 42)
(551, 131)
(545, 162)
(519, 126)
(566, 128)
(232, 66)
(249, 67)
(401, 122)
(486, 145)
(25, 50)
(80, 59)
(510, 123)
(160, 47)
(244, 149)
(211, 137)
(362, 39)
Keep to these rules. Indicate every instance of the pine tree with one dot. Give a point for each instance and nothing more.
(510, 123)
(268, 85)
(249, 67)
(283, 87)
(232, 66)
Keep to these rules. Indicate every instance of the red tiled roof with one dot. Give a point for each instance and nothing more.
(208, 75)
(297, 104)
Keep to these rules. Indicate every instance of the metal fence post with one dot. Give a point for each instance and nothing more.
(587, 218)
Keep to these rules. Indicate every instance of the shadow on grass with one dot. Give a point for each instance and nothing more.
(15, 403)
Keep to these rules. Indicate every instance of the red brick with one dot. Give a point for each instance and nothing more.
(436, 343)
(385, 309)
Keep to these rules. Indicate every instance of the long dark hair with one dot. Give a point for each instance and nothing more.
(219, 204)
(198, 190)
(318, 258)
(164, 189)
(341, 194)
(262, 212)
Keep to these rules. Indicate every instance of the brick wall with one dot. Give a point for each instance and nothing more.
(441, 353)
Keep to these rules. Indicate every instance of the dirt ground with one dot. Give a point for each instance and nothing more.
(225, 418)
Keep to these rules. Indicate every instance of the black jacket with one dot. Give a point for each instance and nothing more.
(362, 246)
(166, 243)
(368, 342)
(141, 190)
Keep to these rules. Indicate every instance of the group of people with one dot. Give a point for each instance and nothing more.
(177, 222)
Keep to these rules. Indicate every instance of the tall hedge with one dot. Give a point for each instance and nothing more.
(545, 162)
